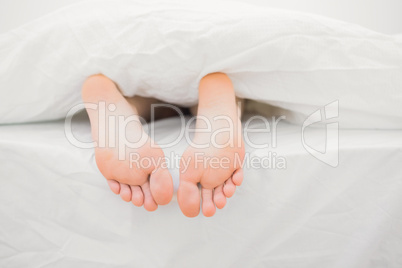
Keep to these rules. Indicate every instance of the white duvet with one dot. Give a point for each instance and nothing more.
(56, 209)
(294, 61)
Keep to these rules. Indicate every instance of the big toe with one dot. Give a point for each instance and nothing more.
(149, 202)
(237, 177)
(188, 197)
(114, 186)
(161, 185)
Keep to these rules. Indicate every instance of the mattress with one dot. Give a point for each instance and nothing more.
(57, 211)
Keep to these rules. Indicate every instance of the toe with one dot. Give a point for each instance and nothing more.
(161, 185)
(208, 207)
(114, 186)
(229, 188)
(188, 197)
(137, 197)
(125, 192)
(219, 197)
(149, 202)
(237, 177)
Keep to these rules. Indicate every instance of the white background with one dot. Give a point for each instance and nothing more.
(380, 15)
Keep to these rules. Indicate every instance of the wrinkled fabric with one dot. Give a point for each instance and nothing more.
(294, 61)
(57, 210)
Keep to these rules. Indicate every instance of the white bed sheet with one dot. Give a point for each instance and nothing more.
(57, 211)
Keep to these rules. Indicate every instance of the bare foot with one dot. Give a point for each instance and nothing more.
(215, 157)
(122, 143)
